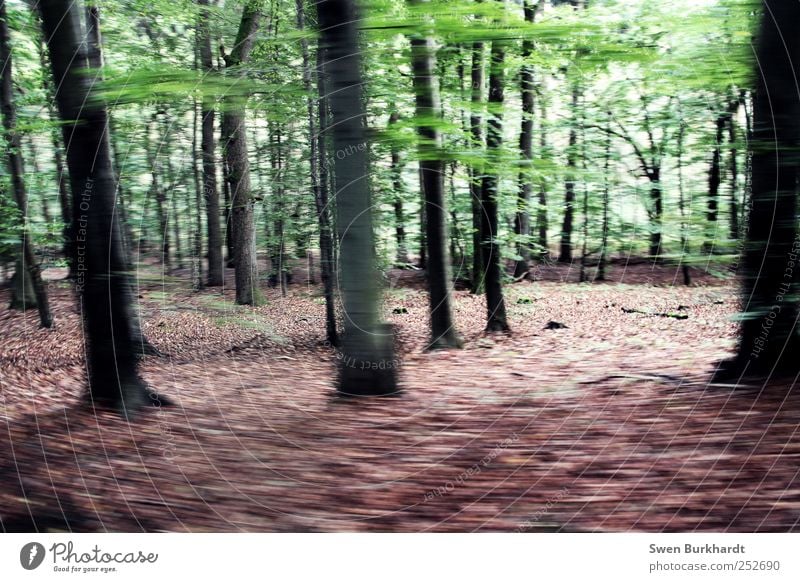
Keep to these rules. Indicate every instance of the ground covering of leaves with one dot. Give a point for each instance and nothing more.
(606, 424)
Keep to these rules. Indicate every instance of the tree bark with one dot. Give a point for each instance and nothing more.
(367, 363)
(17, 171)
(322, 199)
(242, 221)
(103, 280)
(565, 256)
(476, 127)
(210, 190)
(522, 221)
(495, 304)
(769, 344)
(431, 166)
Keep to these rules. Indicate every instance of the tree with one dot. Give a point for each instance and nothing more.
(495, 303)
(102, 281)
(522, 222)
(431, 170)
(366, 363)
(769, 342)
(234, 138)
(27, 261)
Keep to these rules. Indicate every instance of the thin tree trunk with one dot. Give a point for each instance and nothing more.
(541, 213)
(734, 170)
(496, 308)
(197, 235)
(522, 221)
(601, 264)
(475, 179)
(17, 171)
(367, 362)
(714, 180)
(687, 280)
(210, 191)
(322, 199)
(565, 256)
(396, 169)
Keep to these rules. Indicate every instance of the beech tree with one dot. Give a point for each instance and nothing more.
(367, 365)
(103, 280)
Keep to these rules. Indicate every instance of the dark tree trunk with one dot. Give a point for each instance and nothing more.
(541, 213)
(475, 179)
(431, 166)
(367, 362)
(397, 187)
(17, 171)
(565, 256)
(687, 279)
(714, 180)
(495, 304)
(321, 197)
(242, 217)
(158, 193)
(657, 212)
(210, 191)
(103, 280)
(734, 170)
(601, 263)
(522, 221)
(197, 235)
(768, 344)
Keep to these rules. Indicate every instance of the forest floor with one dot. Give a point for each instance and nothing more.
(608, 424)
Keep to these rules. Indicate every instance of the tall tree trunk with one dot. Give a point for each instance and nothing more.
(476, 127)
(322, 199)
(768, 343)
(157, 191)
(396, 168)
(58, 159)
(601, 264)
(565, 256)
(495, 304)
(522, 221)
(171, 193)
(541, 213)
(17, 171)
(210, 191)
(197, 234)
(687, 280)
(657, 212)
(431, 166)
(734, 169)
(235, 140)
(103, 279)
(367, 363)
(714, 180)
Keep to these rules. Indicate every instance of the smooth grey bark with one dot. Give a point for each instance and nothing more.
(367, 365)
